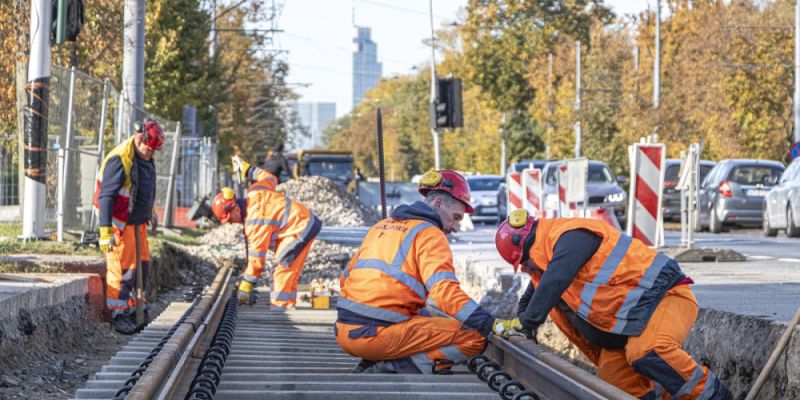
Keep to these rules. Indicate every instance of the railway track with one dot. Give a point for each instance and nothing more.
(213, 348)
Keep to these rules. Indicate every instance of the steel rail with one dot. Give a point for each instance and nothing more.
(544, 372)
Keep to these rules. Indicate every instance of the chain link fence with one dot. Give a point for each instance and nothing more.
(87, 118)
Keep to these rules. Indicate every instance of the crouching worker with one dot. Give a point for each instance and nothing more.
(125, 192)
(627, 307)
(272, 221)
(405, 262)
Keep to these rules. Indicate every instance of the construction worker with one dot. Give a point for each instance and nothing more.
(627, 307)
(272, 222)
(125, 192)
(403, 264)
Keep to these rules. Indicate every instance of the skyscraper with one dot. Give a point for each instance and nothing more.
(366, 68)
(315, 117)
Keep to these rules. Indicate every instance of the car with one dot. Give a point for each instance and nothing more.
(671, 205)
(603, 188)
(502, 200)
(782, 204)
(483, 189)
(733, 192)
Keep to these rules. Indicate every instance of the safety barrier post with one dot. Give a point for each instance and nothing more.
(63, 158)
(173, 170)
(101, 130)
(532, 186)
(645, 219)
(514, 192)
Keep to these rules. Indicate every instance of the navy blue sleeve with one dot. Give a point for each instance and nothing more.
(525, 299)
(113, 179)
(573, 249)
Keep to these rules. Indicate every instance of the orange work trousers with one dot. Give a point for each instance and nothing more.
(653, 365)
(121, 269)
(425, 340)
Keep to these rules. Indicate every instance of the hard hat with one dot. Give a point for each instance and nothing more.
(152, 134)
(447, 181)
(223, 203)
(511, 235)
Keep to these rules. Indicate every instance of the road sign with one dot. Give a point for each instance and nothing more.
(794, 151)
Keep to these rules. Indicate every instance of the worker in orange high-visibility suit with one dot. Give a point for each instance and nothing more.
(272, 221)
(125, 191)
(626, 306)
(405, 262)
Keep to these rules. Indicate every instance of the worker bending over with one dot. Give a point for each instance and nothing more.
(272, 221)
(125, 192)
(403, 264)
(627, 307)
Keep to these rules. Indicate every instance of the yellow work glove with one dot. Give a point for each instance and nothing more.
(507, 327)
(245, 288)
(240, 166)
(106, 240)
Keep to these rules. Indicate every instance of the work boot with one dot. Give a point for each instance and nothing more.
(362, 366)
(124, 324)
(399, 366)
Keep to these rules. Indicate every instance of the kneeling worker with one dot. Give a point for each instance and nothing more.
(627, 307)
(405, 262)
(272, 221)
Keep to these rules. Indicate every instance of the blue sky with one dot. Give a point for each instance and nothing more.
(318, 35)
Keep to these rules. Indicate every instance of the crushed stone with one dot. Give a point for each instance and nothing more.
(331, 203)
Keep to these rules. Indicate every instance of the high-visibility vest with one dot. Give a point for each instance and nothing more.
(620, 286)
(122, 204)
(401, 264)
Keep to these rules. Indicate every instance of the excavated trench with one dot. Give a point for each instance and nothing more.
(735, 346)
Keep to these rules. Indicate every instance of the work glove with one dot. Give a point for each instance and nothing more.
(245, 292)
(240, 166)
(106, 240)
(512, 327)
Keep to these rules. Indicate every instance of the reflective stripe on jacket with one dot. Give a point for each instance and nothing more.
(618, 289)
(122, 204)
(401, 265)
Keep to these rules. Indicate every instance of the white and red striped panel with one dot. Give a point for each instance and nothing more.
(644, 222)
(532, 187)
(565, 208)
(514, 191)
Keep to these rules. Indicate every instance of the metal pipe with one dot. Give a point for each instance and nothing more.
(381, 167)
(434, 97)
(173, 170)
(63, 155)
(578, 133)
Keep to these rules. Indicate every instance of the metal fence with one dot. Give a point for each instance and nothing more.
(87, 118)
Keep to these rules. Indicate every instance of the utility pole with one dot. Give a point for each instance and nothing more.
(38, 91)
(133, 59)
(503, 144)
(578, 133)
(657, 62)
(434, 131)
(212, 46)
(797, 72)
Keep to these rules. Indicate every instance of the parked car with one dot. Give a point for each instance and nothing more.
(483, 189)
(603, 188)
(502, 200)
(782, 204)
(671, 206)
(733, 192)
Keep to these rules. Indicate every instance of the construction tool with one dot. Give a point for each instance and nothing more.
(240, 194)
(139, 280)
(773, 358)
(381, 168)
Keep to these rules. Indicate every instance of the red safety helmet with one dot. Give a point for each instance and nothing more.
(152, 134)
(223, 203)
(511, 235)
(447, 181)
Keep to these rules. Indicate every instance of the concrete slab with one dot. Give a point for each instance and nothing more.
(17, 295)
(59, 262)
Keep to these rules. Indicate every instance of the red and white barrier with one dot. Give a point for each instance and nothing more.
(647, 180)
(532, 187)
(565, 208)
(514, 192)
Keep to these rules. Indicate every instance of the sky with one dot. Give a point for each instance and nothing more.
(318, 35)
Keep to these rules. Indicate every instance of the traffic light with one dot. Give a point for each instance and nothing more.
(446, 111)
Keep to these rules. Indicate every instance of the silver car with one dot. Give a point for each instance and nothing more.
(483, 189)
(602, 188)
(734, 191)
(782, 205)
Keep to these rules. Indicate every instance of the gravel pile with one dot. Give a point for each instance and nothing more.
(329, 202)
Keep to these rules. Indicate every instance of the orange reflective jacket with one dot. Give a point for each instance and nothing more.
(618, 289)
(402, 264)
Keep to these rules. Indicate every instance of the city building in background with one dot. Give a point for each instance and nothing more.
(367, 70)
(315, 117)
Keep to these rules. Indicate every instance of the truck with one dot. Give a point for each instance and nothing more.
(335, 165)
